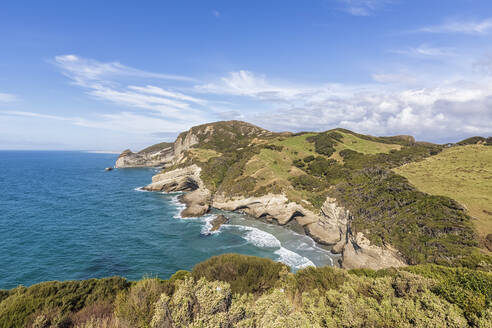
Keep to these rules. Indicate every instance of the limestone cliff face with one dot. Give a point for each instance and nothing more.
(159, 157)
(330, 227)
(188, 179)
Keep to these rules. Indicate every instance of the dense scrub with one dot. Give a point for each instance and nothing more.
(475, 140)
(241, 291)
(354, 169)
(422, 227)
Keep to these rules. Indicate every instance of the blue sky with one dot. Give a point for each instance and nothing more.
(108, 75)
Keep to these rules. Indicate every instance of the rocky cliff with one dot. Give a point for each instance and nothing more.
(154, 156)
(336, 185)
(330, 227)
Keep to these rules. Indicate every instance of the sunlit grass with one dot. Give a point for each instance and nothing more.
(463, 173)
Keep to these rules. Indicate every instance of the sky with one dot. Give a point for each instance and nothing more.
(111, 75)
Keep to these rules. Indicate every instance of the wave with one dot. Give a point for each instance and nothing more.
(293, 259)
(140, 189)
(179, 206)
(263, 239)
(207, 228)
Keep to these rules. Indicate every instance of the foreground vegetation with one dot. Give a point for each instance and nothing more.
(241, 291)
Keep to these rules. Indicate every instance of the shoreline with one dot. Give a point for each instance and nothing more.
(291, 227)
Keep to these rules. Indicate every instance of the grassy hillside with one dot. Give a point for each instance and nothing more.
(463, 173)
(239, 159)
(242, 291)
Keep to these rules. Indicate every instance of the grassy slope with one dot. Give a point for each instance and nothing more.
(463, 173)
(363, 146)
(239, 160)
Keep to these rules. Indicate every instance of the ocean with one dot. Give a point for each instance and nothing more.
(62, 217)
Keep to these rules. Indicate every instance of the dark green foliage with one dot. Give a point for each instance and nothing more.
(329, 169)
(298, 163)
(395, 158)
(135, 306)
(470, 289)
(308, 159)
(372, 273)
(475, 140)
(274, 147)
(227, 136)
(422, 227)
(245, 274)
(307, 182)
(324, 143)
(321, 279)
(63, 297)
(398, 140)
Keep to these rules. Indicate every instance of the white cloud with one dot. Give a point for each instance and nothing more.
(466, 27)
(399, 78)
(424, 51)
(433, 112)
(104, 81)
(363, 7)
(84, 71)
(7, 97)
(123, 122)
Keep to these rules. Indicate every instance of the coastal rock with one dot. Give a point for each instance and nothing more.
(331, 227)
(182, 179)
(197, 202)
(218, 221)
(359, 253)
(157, 156)
(270, 207)
(197, 198)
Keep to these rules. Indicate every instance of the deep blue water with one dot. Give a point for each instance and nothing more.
(63, 217)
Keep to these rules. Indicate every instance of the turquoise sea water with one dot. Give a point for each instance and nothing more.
(63, 217)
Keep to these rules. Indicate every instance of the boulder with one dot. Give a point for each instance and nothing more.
(218, 221)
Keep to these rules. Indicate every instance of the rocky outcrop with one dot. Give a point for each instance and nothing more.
(330, 227)
(197, 203)
(217, 222)
(271, 207)
(156, 158)
(187, 179)
(359, 253)
(182, 179)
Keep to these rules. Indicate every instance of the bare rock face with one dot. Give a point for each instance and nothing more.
(197, 203)
(159, 157)
(197, 198)
(182, 179)
(331, 227)
(272, 207)
(218, 221)
(359, 253)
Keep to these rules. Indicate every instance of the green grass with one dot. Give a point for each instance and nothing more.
(364, 146)
(463, 173)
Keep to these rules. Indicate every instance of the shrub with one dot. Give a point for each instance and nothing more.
(308, 159)
(245, 274)
(136, 306)
(62, 298)
(307, 182)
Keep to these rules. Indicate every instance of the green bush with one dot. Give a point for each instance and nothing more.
(63, 298)
(324, 143)
(308, 159)
(245, 274)
(136, 306)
